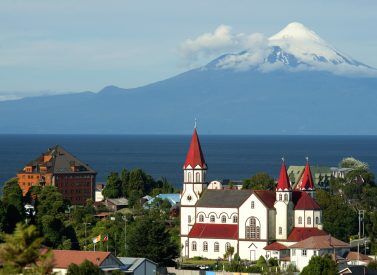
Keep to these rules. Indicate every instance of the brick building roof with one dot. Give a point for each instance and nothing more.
(320, 242)
(60, 161)
(63, 258)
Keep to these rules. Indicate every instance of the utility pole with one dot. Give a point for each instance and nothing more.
(125, 234)
(361, 218)
(85, 223)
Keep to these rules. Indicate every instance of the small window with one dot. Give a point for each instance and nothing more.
(309, 220)
(205, 246)
(223, 219)
(300, 220)
(280, 197)
(252, 205)
(303, 252)
(280, 230)
(227, 245)
(212, 218)
(193, 246)
(186, 243)
(235, 219)
(315, 252)
(285, 197)
(216, 247)
(316, 220)
(201, 218)
(188, 177)
(197, 176)
(189, 219)
(293, 252)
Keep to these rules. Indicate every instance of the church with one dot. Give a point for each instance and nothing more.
(254, 222)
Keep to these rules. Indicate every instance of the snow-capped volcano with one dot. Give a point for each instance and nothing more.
(294, 48)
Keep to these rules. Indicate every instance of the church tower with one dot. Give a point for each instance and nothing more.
(283, 205)
(194, 183)
(306, 183)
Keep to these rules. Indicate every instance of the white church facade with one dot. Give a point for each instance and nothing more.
(254, 222)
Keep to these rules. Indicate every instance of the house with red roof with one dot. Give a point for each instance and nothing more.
(254, 222)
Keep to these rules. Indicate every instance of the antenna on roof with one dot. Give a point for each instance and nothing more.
(195, 123)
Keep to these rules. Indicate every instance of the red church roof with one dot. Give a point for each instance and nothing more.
(283, 182)
(195, 155)
(216, 231)
(267, 197)
(275, 246)
(300, 233)
(306, 182)
(303, 201)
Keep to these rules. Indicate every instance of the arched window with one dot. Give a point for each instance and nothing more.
(188, 177)
(280, 197)
(216, 247)
(205, 246)
(197, 177)
(300, 220)
(201, 218)
(309, 220)
(252, 204)
(280, 230)
(189, 219)
(223, 219)
(316, 220)
(212, 218)
(193, 246)
(252, 228)
(227, 245)
(235, 219)
(285, 197)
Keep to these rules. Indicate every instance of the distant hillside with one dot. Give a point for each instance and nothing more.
(302, 86)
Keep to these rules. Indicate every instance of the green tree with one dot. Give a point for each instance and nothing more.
(85, 268)
(162, 249)
(22, 249)
(339, 219)
(113, 188)
(320, 266)
(13, 205)
(260, 181)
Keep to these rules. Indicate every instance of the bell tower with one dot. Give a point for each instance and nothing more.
(194, 183)
(283, 205)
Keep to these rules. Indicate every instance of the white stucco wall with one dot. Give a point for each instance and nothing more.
(207, 212)
(210, 254)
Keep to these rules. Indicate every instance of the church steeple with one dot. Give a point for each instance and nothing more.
(283, 181)
(306, 183)
(195, 157)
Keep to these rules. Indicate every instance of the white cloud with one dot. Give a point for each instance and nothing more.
(221, 40)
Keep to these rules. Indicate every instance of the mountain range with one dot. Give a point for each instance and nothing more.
(292, 83)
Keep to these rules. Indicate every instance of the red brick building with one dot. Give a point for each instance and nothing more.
(74, 179)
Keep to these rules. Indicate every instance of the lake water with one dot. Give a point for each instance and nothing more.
(227, 157)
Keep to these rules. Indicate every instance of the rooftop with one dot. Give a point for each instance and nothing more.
(320, 242)
(223, 198)
(301, 233)
(63, 258)
(212, 230)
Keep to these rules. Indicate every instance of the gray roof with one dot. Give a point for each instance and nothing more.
(133, 263)
(118, 201)
(223, 198)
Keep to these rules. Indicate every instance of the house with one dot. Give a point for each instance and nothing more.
(138, 266)
(321, 175)
(116, 204)
(173, 199)
(254, 222)
(357, 270)
(57, 167)
(98, 192)
(355, 258)
(106, 261)
(303, 251)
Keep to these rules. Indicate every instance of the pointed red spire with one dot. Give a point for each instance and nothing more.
(306, 182)
(195, 155)
(283, 182)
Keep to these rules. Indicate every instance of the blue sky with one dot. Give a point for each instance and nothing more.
(69, 46)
